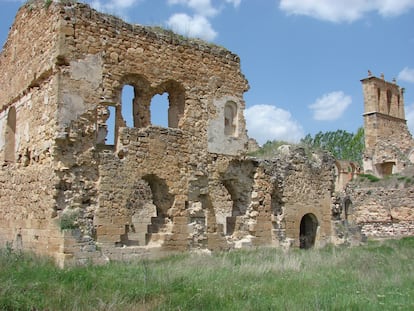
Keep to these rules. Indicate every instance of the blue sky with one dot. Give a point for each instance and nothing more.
(303, 58)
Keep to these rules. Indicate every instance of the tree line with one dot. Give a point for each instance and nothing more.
(341, 144)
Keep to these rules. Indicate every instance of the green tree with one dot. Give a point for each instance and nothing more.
(342, 144)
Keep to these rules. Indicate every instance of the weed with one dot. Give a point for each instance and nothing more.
(68, 220)
(47, 3)
(377, 276)
(369, 177)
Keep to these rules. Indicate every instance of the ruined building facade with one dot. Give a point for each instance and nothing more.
(389, 147)
(69, 191)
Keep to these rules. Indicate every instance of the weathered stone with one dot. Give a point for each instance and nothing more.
(66, 191)
(389, 146)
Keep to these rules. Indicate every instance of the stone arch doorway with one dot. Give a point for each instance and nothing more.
(307, 233)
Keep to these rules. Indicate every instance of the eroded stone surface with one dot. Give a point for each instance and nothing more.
(70, 191)
(388, 143)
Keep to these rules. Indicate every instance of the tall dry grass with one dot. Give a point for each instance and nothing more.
(377, 276)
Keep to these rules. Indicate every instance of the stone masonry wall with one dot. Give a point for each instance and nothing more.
(384, 209)
(103, 54)
(28, 209)
(305, 185)
(72, 194)
(388, 142)
(28, 218)
(30, 53)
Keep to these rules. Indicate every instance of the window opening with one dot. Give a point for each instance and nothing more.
(389, 95)
(127, 103)
(110, 126)
(398, 102)
(159, 110)
(378, 99)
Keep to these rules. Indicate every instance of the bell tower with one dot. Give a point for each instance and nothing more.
(388, 142)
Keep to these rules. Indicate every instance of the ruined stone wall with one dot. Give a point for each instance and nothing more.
(383, 209)
(306, 186)
(154, 189)
(388, 142)
(28, 217)
(104, 53)
(60, 88)
(27, 205)
(29, 54)
(28, 103)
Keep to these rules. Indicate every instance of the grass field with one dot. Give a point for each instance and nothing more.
(376, 276)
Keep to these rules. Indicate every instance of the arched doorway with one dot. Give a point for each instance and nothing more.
(307, 234)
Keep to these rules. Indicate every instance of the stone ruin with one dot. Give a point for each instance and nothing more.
(389, 146)
(70, 191)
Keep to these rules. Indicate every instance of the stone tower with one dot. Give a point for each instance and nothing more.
(388, 142)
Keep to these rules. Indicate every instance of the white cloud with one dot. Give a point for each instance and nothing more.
(113, 6)
(193, 26)
(236, 3)
(394, 7)
(407, 75)
(409, 115)
(267, 122)
(330, 106)
(201, 7)
(199, 24)
(345, 10)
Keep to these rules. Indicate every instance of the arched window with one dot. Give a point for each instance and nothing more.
(127, 104)
(143, 105)
(230, 119)
(378, 95)
(10, 136)
(137, 104)
(173, 93)
(389, 96)
(159, 110)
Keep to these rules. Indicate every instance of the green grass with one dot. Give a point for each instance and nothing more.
(377, 276)
(369, 177)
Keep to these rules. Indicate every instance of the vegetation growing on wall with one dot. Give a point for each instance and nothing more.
(269, 149)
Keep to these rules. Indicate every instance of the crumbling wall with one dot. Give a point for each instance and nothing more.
(28, 217)
(303, 185)
(388, 142)
(385, 208)
(57, 100)
(29, 54)
(101, 57)
(153, 189)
